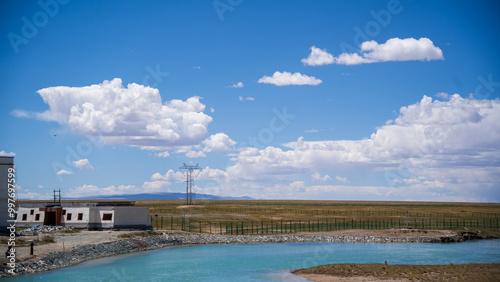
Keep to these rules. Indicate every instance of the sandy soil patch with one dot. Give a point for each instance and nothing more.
(63, 242)
(387, 233)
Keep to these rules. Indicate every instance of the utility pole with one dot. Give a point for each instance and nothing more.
(57, 197)
(190, 181)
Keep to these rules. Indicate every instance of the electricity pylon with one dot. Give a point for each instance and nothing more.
(190, 181)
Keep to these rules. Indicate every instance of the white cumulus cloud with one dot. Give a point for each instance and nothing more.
(318, 57)
(317, 177)
(237, 85)
(342, 179)
(394, 49)
(220, 143)
(195, 154)
(7, 154)
(287, 78)
(83, 164)
(88, 189)
(132, 115)
(438, 149)
(241, 98)
(162, 154)
(62, 171)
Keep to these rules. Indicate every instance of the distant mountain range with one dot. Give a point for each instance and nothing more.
(162, 196)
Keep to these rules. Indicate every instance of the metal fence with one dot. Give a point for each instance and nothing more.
(184, 223)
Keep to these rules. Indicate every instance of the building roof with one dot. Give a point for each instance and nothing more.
(79, 204)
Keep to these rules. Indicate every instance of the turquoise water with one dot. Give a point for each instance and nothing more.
(262, 262)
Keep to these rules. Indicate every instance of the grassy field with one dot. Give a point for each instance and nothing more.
(285, 216)
(461, 272)
(293, 216)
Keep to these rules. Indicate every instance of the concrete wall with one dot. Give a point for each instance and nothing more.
(5, 164)
(128, 217)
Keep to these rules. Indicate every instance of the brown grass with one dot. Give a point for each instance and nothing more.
(460, 272)
(305, 210)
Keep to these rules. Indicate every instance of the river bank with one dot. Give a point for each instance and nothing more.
(122, 246)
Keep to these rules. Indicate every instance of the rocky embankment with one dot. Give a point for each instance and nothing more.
(88, 252)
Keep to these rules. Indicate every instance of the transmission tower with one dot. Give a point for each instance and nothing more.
(189, 169)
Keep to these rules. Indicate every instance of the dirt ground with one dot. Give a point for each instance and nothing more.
(329, 278)
(378, 272)
(387, 233)
(63, 242)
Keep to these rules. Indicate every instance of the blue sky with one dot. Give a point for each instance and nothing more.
(347, 100)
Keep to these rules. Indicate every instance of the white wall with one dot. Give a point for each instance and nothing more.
(30, 218)
(92, 216)
(97, 215)
(74, 211)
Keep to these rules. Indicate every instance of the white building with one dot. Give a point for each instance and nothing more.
(5, 164)
(91, 215)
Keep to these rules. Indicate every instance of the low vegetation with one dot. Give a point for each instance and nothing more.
(71, 231)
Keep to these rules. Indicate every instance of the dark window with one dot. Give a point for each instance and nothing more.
(68, 216)
(107, 216)
(80, 216)
(37, 217)
(32, 212)
(64, 212)
(25, 217)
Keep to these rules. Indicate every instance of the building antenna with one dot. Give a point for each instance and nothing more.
(190, 181)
